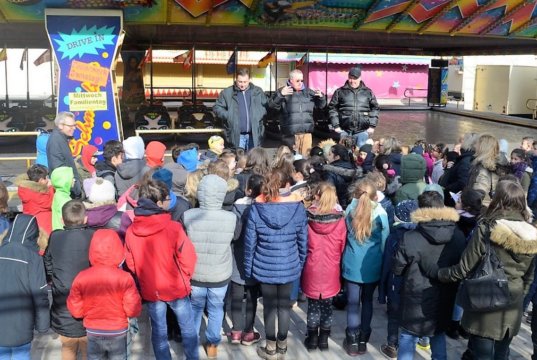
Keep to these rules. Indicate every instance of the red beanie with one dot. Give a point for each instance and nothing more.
(154, 153)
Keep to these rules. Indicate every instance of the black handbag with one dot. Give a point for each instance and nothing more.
(486, 288)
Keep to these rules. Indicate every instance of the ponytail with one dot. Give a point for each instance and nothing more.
(362, 222)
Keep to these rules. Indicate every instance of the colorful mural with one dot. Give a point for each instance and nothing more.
(513, 18)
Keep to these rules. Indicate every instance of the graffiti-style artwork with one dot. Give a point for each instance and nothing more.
(512, 18)
(85, 44)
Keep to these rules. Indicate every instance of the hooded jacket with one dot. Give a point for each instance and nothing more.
(353, 110)
(84, 166)
(154, 154)
(41, 147)
(59, 155)
(211, 230)
(36, 200)
(297, 110)
(226, 108)
(104, 295)
(179, 175)
(23, 294)
(275, 242)
(128, 173)
(67, 254)
(362, 261)
(485, 176)
(61, 178)
(413, 168)
(425, 303)
(515, 243)
(159, 253)
(327, 234)
(455, 179)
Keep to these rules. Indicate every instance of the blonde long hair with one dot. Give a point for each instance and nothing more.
(366, 193)
(326, 194)
(487, 151)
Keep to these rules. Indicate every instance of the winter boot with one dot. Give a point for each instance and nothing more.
(281, 348)
(363, 339)
(350, 344)
(323, 339)
(312, 339)
(268, 352)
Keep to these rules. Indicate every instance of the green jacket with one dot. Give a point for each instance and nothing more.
(413, 169)
(515, 243)
(62, 180)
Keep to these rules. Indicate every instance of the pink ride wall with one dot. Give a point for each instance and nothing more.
(388, 81)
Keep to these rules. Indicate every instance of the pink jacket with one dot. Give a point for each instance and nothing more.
(326, 241)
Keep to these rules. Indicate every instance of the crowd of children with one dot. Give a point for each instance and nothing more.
(225, 226)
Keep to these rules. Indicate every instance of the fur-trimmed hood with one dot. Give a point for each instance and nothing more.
(232, 184)
(437, 225)
(23, 181)
(431, 214)
(519, 237)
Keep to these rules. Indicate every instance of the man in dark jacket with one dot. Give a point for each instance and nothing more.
(426, 304)
(354, 110)
(242, 108)
(58, 151)
(296, 103)
(23, 294)
(65, 257)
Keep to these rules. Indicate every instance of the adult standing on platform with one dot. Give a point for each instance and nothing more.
(354, 110)
(296, 103)
(242, 108)
(58, 151)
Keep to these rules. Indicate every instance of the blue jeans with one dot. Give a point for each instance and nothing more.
(407, 346)
(246, 141)
(393, 323)
(214, 298)
(295, 290)
(360, 294)
(114, 346)
(159, 330)
(359, 138)
(15, 352)
(457, 313)
(485, 349)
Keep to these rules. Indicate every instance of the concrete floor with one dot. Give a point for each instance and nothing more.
(408, 126)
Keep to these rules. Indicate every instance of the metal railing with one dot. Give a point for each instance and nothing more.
(412, 96)
(532, 108)
(179, 131)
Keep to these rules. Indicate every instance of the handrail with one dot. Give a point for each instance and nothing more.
(19, 133)
(414, 97)
(533, 109)
(19, 158)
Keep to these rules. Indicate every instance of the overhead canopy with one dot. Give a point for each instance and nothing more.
(431, 27)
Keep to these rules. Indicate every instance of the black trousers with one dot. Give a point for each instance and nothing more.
(276, 302)
(243, 321)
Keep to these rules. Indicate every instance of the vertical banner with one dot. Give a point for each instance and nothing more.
(85, 45)
(444, 86)
(133, 92)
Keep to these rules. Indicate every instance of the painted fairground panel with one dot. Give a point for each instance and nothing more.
(515, 18)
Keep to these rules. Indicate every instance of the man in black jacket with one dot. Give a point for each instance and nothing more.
(354, 110)
(58, 151)
(296, 103)
(242, 108)
(23, 294)
(67, 254)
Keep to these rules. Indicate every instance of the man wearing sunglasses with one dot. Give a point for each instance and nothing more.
(354, 110)
(58, 151)
(296, 103)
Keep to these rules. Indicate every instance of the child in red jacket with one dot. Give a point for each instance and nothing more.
(105, 296)
(36, 194)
